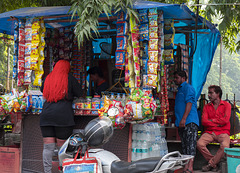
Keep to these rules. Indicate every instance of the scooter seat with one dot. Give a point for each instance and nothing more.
(140, 166)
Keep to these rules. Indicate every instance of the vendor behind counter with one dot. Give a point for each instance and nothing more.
(96, 75)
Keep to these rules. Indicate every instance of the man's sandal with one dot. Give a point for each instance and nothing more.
(187, 171)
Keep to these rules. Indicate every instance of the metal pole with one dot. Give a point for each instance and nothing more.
(8, 69)
(220, 72)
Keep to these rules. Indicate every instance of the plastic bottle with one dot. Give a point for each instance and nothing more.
(88, 105)
(134, 132)
(165, 146)
(123, 99)
(118, 98)
(139, 150)
(144, 150)
(134, 147)
(102, 101)
(112, 97)
(96, 104)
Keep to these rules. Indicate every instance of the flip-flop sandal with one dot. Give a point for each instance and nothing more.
(188, 171)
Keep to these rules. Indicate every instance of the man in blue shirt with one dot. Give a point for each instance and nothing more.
(186, 116)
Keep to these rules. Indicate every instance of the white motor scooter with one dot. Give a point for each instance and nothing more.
(96, 133)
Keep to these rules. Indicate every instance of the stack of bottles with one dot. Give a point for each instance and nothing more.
(148, 140)
(84, 105)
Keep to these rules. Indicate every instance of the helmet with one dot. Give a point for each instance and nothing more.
(98, 131)
(70, 146)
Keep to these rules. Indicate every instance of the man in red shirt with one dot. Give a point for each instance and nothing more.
(215, 119)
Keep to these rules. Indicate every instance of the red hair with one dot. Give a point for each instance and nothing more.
(56, 83)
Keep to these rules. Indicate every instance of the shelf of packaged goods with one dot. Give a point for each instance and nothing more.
(158, 115)
(85, 114)
(173, 141)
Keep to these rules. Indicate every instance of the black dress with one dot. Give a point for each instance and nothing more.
(61, 113)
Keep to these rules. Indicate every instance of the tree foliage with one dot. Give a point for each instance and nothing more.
(89, 10)
(229, 76)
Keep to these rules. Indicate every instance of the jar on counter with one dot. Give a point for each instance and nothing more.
(88, 105)
(96, 103)
(79, 106)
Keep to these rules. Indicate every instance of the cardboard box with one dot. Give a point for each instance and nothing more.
(9, 160)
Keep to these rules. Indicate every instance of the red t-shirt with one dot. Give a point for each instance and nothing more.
(217, 121)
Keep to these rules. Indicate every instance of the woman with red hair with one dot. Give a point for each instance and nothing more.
(57, 117)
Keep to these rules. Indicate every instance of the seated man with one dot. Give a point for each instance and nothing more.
(96, 75)
(215, 119)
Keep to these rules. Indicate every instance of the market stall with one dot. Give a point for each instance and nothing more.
(138, 60)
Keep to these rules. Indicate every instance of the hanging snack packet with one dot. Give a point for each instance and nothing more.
(16, 36)
(28, 23)
(152, 80)
(169, 26)
(152, 68)
(143, 15)
(27, 77)
(120, 59)
(121, 16)
(146, 109)
(28, 34)
(160, 17)
(20, 79)
(21, 50)
(153, 45)
(153, 56)
(36, 23)
(121, 43)
(137, 111)
(27, 62)
(34, 63)
(153, 21)
(168, 41)
(122, 28)
(38, 78)
(168, 57)
(21, 66)
(128, 112)
(34, 50)
(152, 11)
(35, 35)
(21, 35)
(133, 25)
(28, 46)
(153, 32)
(143, 32)
(136, 95)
